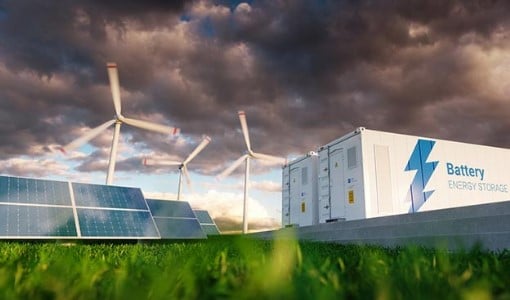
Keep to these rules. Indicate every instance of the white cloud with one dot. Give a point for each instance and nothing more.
(204, 9)
(42, 167)
(267, 186)
(263, 186)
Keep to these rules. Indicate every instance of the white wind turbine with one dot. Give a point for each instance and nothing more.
(183, 166)
(246, 158)
(118, 120)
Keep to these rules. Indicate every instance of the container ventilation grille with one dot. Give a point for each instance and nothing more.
(351, 158)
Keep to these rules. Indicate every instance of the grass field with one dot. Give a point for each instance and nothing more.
(240, 268)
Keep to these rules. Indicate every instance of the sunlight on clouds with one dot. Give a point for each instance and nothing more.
(204, 9)
(241, 60)
(243, 8)
(417, 30)
(263, 186)
(225, 205)
(491, 71)
(33, 167)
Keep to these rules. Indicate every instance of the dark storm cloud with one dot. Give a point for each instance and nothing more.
(334, 60)
(48, 36)
(305, 72)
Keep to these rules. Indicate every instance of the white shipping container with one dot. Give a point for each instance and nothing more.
(371, 173)
(299, 191)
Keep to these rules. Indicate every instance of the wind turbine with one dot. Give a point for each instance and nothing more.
(119, 119)
(182, 165)
(246, 158)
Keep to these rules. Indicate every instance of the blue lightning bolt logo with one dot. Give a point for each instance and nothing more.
(424, 170)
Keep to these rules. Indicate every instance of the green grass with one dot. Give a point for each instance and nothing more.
(240, 268)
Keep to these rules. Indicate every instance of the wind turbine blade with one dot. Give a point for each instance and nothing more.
(186, 175)
(87, 136)
(232, 167)
(152, 126)
(113, 75)
(244, 126)
(155, 162)
(197, 150)
(275, 159)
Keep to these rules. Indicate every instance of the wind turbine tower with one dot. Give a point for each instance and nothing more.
(246, 158)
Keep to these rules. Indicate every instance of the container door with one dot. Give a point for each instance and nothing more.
(295, 195)
(324, 204)
(285, 197)
(337, 187)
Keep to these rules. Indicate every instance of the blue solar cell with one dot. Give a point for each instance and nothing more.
(4, 189)
(34, 191)
(36, 221)
(177, 228)
(210, 229)
(167, 208)
(203, 216)
(90, 195)
(116, 223)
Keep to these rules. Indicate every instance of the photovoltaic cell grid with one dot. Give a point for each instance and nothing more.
(172, 228)
(112, 211)
(105, 196)
(34, 208)
(203, 216)
(170, 209)
(207, 223)
(175, 219)
(34, 191)
(116, 223)
(31, 208)
(36, 221)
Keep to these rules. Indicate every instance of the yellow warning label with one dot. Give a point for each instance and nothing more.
(303, 208)
(351, 197)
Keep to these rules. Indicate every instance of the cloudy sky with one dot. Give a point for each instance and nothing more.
(305, 72)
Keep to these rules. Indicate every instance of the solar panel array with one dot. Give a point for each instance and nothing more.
(207, 223)
(175, 219)
(38, 209)
(35, 208)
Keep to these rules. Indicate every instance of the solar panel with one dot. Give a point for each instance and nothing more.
(34, 191)
(105, 211)
(38, 209)
(207, 223)
(174, 228)
(25, 221)
(171, 209)
(203, 216)
(116, 223)
(175, 219)
(105, 196)
(210, 229)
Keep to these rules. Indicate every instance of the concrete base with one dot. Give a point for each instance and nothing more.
(487, 225)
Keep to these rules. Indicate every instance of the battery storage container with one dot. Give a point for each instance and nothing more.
(369, 173)
(299, 191)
